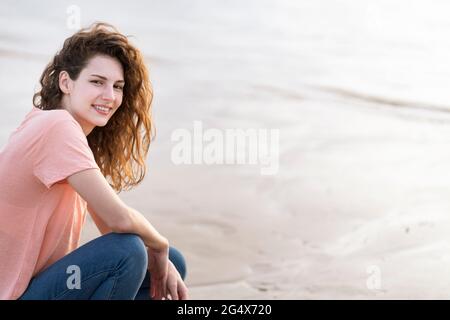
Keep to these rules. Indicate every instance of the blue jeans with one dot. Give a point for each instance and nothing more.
(110, 267)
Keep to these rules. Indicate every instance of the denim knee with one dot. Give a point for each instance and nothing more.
(130, 249)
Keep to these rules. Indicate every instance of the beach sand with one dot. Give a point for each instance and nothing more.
(359, 208)
(348, 204)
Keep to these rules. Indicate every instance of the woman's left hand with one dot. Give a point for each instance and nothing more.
(176, 288)
(158, 267)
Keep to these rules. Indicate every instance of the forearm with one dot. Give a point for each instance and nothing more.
(101, 225)
(138, 224)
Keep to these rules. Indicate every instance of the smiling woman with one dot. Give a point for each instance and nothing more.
(92, 99)
(99, 66)
(91, 120)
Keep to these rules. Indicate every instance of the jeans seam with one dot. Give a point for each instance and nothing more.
(112, 289)
(89, 277)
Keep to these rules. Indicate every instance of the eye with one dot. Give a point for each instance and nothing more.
(96, 82)
(119, 87)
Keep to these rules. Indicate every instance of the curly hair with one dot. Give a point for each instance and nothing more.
(121, 146)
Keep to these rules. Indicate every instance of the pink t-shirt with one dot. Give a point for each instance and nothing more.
(41, 215)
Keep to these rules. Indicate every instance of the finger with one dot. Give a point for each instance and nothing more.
(173, 290)
(182, 290)
(152, 292)
(160, 292)
(159, 287)
(156, 289)
(183, 294)
(153, 288)
(162, 289)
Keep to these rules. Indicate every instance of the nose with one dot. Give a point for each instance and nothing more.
(108, 93)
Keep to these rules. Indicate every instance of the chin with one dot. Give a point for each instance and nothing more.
(102, 124)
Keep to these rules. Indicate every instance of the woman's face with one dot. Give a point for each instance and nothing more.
(95, 96)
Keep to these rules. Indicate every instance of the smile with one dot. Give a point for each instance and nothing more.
(101, 109)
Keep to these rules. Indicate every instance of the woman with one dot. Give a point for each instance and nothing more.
(90, 120)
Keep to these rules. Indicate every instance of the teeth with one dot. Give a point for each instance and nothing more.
(101, 108)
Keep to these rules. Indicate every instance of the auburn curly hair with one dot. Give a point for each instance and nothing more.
(121, 146)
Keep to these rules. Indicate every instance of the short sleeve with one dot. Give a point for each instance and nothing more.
(62, 151)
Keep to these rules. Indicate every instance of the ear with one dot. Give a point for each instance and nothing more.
(65, 83)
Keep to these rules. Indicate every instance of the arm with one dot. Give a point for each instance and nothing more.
(110, 213)
(101, 226)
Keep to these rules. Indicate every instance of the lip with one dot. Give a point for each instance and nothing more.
(101, 112)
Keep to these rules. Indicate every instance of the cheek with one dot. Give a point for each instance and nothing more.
(119, 99)
(87, 94)
(92, 92)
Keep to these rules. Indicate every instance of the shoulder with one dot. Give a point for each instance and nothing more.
(54, 115)
(57, 118)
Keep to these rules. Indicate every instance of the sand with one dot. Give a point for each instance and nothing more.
(349, 203)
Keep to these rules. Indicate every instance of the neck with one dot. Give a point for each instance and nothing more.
(65, 104)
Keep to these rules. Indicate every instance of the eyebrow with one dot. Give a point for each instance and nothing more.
(104, 78)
